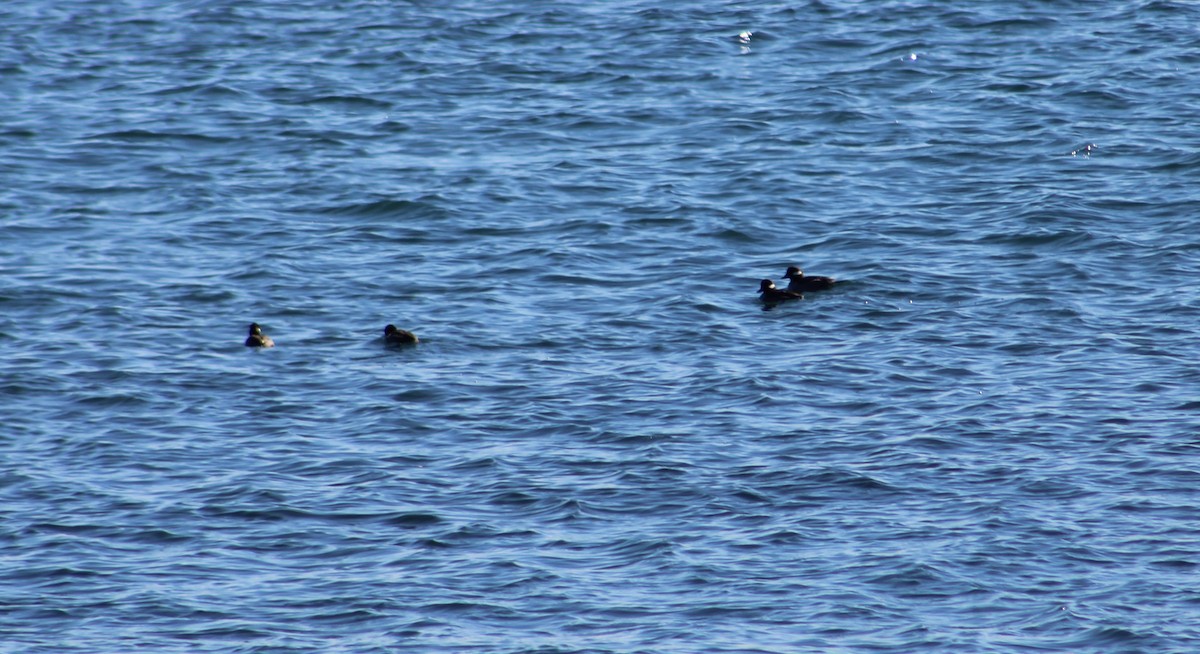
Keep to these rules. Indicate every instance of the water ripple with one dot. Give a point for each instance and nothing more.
(978, 441)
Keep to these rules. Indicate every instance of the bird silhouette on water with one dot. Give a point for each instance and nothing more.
(257, 338)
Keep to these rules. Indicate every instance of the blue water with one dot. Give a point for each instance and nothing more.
(985, 439)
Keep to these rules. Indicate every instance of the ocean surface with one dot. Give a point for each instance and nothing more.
(985, 438)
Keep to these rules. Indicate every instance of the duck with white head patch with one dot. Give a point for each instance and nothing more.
(771, 295)
(799, 283)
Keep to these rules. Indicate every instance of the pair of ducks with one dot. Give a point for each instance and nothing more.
(391, 336)
(797, 284)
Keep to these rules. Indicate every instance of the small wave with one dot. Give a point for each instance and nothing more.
(1042, 238)
(347, 101)
(210, 90)
(414, 520)
(384, 208)
(142, 135)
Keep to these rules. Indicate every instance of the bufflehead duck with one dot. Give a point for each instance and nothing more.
(766, 288)
(257, 338)
(799, 283)
(393, 336)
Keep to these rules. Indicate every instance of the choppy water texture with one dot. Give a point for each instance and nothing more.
(984, 440)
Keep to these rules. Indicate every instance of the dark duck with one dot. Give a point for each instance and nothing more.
(394, 336)
(799, 283)
(771, 295)
(257, 338)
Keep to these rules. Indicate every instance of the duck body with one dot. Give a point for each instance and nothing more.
(257, 338)
(394, 336)
(799, 283)
(769, 294)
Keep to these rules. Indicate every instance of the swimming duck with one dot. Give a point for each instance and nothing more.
(257, 338)
(799, 283)
(393, 336)
(766, 288)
